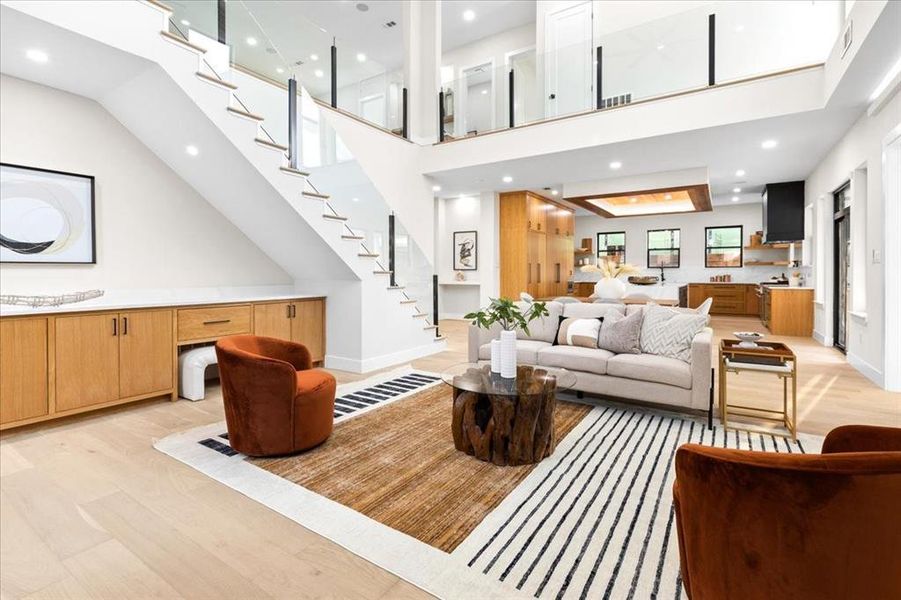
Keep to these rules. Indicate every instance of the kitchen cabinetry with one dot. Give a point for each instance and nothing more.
(299, 321)
(783, 212)
(787, 311)
(23, 369)
(728, 298)
(536, 242)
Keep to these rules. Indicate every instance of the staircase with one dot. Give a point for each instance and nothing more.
(171, 97)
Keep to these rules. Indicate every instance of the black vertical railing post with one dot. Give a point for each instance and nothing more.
(711, 49)
(599, 75)
(435, 304)
(511, 99)
(220, 18)
(441, 116)
(293, 159)
(391, 248)
(334, 75)
(404, 131)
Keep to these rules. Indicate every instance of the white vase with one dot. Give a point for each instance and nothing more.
(495, 356)
(508, 354)
(610, 288)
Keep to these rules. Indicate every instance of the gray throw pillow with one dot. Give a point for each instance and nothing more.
(666, 332)
(621, 334)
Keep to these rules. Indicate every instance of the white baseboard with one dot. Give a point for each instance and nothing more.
(818, 336)
(355, 365)
(868, 370)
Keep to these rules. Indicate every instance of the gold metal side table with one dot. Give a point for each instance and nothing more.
(768, 357)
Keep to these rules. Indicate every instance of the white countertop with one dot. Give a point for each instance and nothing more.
(131, 299)
(789, 287)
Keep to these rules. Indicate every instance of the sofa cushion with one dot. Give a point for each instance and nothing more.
(585, 310)
(544, 328)
(621, 334)
(667, 332)
(578, 332)
(650, 367)
(575, 358)
(526, 351)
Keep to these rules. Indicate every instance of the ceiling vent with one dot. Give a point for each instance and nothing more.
(390, 24)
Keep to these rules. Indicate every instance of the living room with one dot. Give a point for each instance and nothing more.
(409, 299)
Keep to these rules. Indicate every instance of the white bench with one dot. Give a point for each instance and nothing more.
(192, 365)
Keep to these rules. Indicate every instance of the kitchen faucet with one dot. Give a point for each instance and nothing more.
(662, 276)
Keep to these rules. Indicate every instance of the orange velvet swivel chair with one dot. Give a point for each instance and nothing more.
(760, 525)
(275, 402)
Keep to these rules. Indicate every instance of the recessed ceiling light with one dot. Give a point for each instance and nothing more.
(735, 198)
(279, 70)
(736, 190)
(38, 56)
(251, 41)
(484, 92)
(469, 15)
(554, 192)
(361, 57)
(354, 199)
(192, 150)
(436, 188)
(769, 144)
(185, 22)
(739, 28)
(740, 173)
(507, 179)
(615, 164)
(660, 46)
(668, 197)
(318, 73)
(633, 199)
(314, 57)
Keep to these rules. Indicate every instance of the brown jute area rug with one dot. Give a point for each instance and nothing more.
(397, 465)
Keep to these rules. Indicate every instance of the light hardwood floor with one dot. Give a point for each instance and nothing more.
(88, 509)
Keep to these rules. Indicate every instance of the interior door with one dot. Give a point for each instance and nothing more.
(145, 352)
(568, 60)
(272, 320)
(87, 360)
(842, 279)
(307, 327)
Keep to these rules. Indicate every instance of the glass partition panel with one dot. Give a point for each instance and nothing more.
(761, 37)
(477, 101)
(198, 15)
(413, 271)
(656, 57)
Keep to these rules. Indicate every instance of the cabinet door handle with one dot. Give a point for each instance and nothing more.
(538, 271)
(530, 273)
(287, 311)
(219, 322)
(115, 326)
(124, 325)
(293, 311)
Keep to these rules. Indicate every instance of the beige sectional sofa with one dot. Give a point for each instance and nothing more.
(645, 378)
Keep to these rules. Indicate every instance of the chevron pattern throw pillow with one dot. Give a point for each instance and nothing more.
(666, 332)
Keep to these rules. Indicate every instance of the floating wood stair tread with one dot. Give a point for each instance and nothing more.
(271, 145)
(420, 315)
(368, 255)
(395, 287)
(334, 217)
(316, 195)
(293, 171)
(183, 43)
(243, 113)
(159, 5)
(408, 301)
(216, 81)
(430, 327)
(382, 272)
(352, 237)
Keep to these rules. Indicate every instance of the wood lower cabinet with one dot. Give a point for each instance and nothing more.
(23, 369)
(728, 298)
(145, 352)
(86, 360)
(301, 321)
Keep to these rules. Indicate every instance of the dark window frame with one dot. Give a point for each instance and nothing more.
(741, 249)
(606, 252)
(678, 249)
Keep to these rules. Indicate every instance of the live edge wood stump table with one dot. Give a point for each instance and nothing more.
(505, 421)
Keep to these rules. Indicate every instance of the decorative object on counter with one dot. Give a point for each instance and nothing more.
(466, 250)
(721, 278)
(47, 216)
(644, 279)
(509, 316)
(748, 338)
(460, 276)
(609, 287)
(36, 301)
(795, 280)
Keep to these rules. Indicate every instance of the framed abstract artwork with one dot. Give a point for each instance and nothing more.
(46, 216)
(466, 250)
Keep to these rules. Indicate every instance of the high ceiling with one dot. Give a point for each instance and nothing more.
(491, 17)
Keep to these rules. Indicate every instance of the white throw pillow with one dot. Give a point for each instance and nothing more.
(704, 308)
(666, 332)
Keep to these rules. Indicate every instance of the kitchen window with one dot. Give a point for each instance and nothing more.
(663, 248)
(722, 246)
(612, 246)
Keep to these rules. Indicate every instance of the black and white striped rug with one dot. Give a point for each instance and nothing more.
(599, 522)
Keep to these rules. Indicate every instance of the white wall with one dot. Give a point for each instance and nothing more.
(692, 226)
(860, 148)
(153, 230)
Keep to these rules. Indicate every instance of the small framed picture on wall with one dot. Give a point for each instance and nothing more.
(46, 216)
(466, 250)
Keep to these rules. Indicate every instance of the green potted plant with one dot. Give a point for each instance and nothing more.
(508, 315)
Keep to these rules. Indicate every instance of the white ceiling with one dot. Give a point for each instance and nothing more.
(492, 17)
